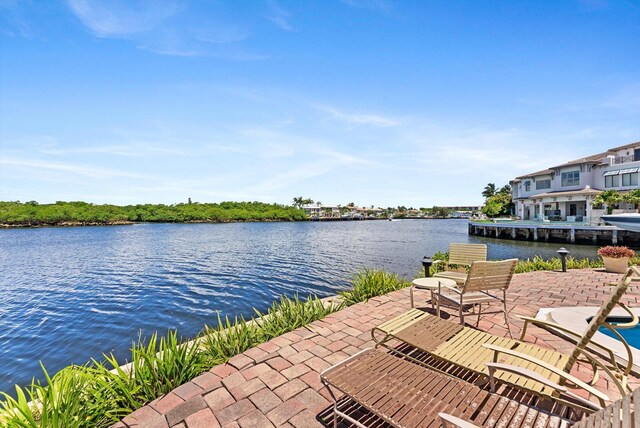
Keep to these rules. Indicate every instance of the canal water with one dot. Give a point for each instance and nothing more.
(71, 294)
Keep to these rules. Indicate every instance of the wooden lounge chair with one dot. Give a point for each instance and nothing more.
(623, 413)
(405, 394)
(471, 349)
(487, 282)
(461, 255)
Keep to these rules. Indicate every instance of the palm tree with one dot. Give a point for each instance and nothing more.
(633, 197)
(489, 190)
(608, 198)
(506, 189)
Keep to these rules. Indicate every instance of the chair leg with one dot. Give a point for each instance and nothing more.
(479, 312)
(460, 312)
(506, 318)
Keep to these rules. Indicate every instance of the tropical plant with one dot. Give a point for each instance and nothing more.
(63, 401)
(616, 252)
(288, 314)
(156, 368)
(608, 198)
(632, 197)
(371, 283)
(489, 190)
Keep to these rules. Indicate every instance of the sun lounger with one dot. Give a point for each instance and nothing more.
(405, 394)
(471, 349)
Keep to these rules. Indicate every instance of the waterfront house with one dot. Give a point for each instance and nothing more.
(566, 192)
(320, 211)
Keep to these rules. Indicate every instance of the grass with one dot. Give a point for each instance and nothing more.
(101, 392)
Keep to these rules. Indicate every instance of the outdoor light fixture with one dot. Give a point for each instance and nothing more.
(563, 257)
(427, 262)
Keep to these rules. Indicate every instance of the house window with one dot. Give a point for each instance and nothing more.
(612, 181)
(543, 184)
(527, 186)
(571, 178)
(630, 179)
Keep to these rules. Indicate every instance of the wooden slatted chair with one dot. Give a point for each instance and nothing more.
(461, 255)
(404, 394)
(487, 282)
(471, 349)
(623, 413)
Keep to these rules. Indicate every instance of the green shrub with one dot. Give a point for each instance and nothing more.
(227, 339)
(155, 369)
(64, 402)
(288, 314)
(371, 283)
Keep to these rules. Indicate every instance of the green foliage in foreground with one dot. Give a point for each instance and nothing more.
(100, 393)
(537, 263)
(371, 283)
(32, 213)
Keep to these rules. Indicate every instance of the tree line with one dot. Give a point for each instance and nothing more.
(60, 213)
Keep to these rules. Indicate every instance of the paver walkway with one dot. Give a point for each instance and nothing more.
(277, 383)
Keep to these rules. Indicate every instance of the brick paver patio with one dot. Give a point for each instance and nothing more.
(277, 383)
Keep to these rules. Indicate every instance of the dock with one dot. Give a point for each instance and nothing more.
(562, 233)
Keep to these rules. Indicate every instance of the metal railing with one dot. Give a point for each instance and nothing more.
(623, 159)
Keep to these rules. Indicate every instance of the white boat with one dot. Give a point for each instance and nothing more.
(628, 221)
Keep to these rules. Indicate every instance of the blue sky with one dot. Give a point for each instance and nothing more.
(415, 103)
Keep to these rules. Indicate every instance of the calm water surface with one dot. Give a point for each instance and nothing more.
(70, 294)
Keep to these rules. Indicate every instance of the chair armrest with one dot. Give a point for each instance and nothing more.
(551, 325)
(564, 375)
(538, 378)
(435, 262)
(456, 422)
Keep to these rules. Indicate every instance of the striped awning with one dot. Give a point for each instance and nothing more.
(608, 173)
(628, 171)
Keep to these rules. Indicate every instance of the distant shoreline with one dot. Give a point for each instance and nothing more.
(130, 223)
(36, 225)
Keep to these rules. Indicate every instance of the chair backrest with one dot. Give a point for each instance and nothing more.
(465, 254)
(486, 276)
(621, 413)
(600, 318)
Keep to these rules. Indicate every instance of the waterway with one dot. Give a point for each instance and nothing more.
(71, 294)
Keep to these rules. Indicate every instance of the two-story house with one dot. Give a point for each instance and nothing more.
(565, 192)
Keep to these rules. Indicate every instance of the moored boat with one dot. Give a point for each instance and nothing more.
(627, 221)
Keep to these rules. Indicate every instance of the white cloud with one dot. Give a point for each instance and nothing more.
(128, 150)
(356, 119)
(279, 16)
(165, 27)
(82, 170)
(122, 18)
(380, 5)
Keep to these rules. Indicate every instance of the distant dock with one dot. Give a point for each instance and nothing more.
(562, 233)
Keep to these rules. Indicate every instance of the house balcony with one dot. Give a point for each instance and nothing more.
(624, 159)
